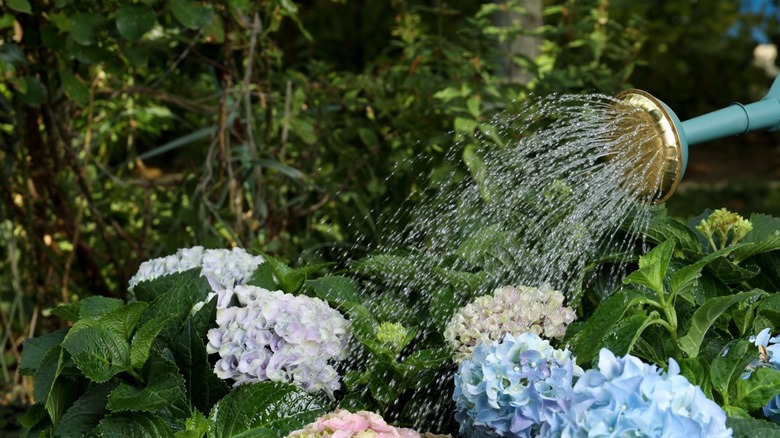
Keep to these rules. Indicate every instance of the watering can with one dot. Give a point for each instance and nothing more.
(663, 153)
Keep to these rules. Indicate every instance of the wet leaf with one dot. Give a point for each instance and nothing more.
(135, 20)
(653, 267)
(758, 390)
(264, 409)
(134, 424)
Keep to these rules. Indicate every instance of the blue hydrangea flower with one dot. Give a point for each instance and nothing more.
(626, 397)
(510, 387)
(768, 354)
(772, 409)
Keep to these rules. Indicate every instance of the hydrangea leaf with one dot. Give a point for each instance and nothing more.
(164, 391)
(204, 388)
(753, 428)
(195, 427)
(768, 314)
(46, 373)
(606, 315)
(653, 267)
(143, 339)
(175, 304)
(123, 320)
(729, 366)
(730, 272)
(263, 277)
(35, 349)
(63, 393)
(684, 279)
(34, 415)
(624, 334)
(68, 312)
(97, 351)
(291, 279)
(764, 227)
(697, 371)
(150, 290)
(97, 306)
(756, 391)
(86, 412)
(134, 424)
(706, 315)
(663, 228)
(340, 292)
(264, 409)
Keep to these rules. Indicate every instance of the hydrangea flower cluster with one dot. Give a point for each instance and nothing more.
(510, 388)
(279, 337)
(222, 268)
(513, 310)
(724, 224)
(626, 397)
(768, 356)
(363, 424)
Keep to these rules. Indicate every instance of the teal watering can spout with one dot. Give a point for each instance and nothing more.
(668, 138)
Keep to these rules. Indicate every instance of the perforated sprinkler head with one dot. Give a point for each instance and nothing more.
(657, 151)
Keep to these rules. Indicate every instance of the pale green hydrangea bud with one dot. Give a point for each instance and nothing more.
(512, 310)
(724, 224)
(392, 335)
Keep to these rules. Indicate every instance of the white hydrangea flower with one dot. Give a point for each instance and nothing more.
(279, 337)
(222, 268)
(512, 310)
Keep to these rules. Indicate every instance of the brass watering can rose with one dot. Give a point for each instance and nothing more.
(657, 141)
(656, 152)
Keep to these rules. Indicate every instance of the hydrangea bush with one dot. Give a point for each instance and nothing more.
(221, 343)
(512, 310)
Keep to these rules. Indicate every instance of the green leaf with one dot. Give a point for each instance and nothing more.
(422, 361)
(192, 15)
(34, 415)
(662, 228)
(622, 336)
(758, 390)
(204, 388)
(264, 277)
(727, 368)
(697, 371)
(142, 341)
(22, 6)
(98, 352)
(123, 320)
(607, 314)
(653, 267)
(63, 393)
(706, 315)
(475, 163)
(753, 428)
(97, 306)
(35, 93)
(164, 390)
(46, 374)
(768, 314)
(82, 27)
(730, 272)
(175, 303)
(291, 279)
(134, 20)
(69, 312)
(765, 227)
(35, 349)
(134, 425)
(12, 54)
(340, 292)
(684, 279)
(151, 290)
(86, 412)
(264, 409)
(195, 427)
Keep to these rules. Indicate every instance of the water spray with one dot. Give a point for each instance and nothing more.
(663, 157)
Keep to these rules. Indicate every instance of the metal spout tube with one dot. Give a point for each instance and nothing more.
(736, 119)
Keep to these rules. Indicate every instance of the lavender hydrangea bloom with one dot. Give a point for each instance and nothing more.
(279, 337)
(508, 309)
(222, 268)
(625, 397)
(510, 388)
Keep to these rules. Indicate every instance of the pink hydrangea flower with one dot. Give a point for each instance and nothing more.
(362, 424)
